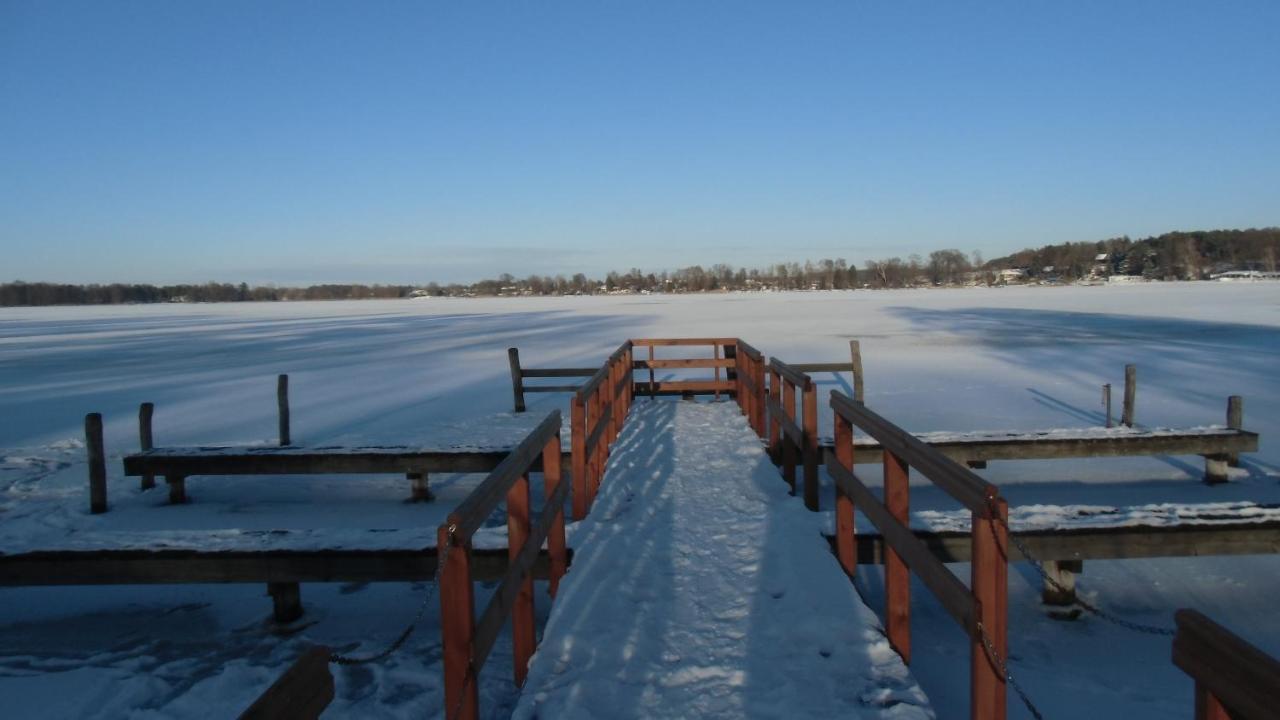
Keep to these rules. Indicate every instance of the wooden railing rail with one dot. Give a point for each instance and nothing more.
(792, 437)
(982, 608)
(723, 360)
(1234, 679)
(466, 642)
(597, 412)
(518, 374)
(751, 385)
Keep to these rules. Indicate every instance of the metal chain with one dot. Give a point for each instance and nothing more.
(433, 581)
(1003, 667)
(1084, 604)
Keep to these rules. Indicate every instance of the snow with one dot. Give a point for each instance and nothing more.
(701, 588)
(421, 374)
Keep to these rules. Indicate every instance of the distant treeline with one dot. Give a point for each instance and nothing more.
(1172, 256)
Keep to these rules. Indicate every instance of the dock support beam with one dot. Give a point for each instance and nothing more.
(145, 439)
(517, 378)
(286, 601)
(1061, 592)
(97, 463)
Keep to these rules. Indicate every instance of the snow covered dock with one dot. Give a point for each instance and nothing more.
(701, 588)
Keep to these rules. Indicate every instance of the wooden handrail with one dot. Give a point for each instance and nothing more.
(476, 507)
(467, 643)
(790, 373)
(944, 584)
(668, 342)
(301, 692)
(1234, 679)
(982, 607)
(958, 481)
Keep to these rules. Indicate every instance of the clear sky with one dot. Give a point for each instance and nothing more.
(405, 142)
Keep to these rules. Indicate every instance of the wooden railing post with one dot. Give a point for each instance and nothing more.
(145, 439)
(788, 446)
(1106, 401)
(809, 399)
(282, 403)
(457, 629)
(523, 638)
(846, 534)
(517, 378)
(551, 480)
(775, 427)
(990, 587)
(1130, 394)
(897, 577)
(760, 394)
(855, 354)
(653, 386)
(578, 454)
(97, 463)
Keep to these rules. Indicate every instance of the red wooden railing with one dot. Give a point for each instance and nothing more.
(466, 642)
(596, 415)
(788, 438)
(1234, 680)
(750, 390)
(982, 608)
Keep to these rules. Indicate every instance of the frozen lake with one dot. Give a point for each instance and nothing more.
(407, 371)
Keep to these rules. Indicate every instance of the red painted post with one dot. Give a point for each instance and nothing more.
(990, 586)
(788, 447)
(1208, 707)
(809, 399)
(739, 364)
(610, 430)
(897, 578)
(457, 630)
(523, 639)
(653, 390)
(555, 538)
(593, 455)
(715, 351)
(578, 452)
(775, 394)
(846, 536)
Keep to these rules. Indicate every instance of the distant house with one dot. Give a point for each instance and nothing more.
(1013, 274)
(1101, 265)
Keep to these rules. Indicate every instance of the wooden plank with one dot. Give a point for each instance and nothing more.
(950, 591)
(1031, 447)
(178, 567)
(750, 351)
(558, 372)
(822, 367)
(475, 508)
(551, 388)
(959, 482)
(1101, 543)
(302, 692)
(188, 462)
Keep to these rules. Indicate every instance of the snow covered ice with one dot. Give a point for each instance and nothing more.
(414, 373)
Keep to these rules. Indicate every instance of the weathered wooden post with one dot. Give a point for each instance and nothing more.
(457, 627)
(517, 378)
(97, 463)
(1060, 582)
(519, 526)
(421, 491)
(1106, 401)
(1235, 421)
(809, 399)
(286, 601)
(282, 401)
(855, 352)
(897, 578)
(1130, 394)
(990, 585)
(846, 539)
(145, 440)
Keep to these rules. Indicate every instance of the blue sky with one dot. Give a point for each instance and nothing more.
(405, 142)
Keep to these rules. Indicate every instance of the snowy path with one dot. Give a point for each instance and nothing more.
(700, 588)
